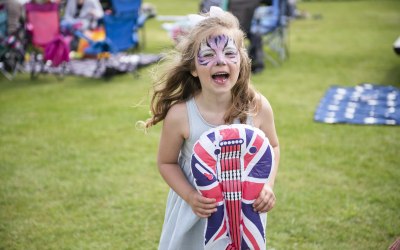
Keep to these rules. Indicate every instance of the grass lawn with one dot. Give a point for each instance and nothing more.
(75, 173)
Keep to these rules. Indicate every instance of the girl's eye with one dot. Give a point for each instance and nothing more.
(230, 53)
(208, 55)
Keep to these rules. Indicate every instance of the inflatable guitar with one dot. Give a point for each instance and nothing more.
(231, 163)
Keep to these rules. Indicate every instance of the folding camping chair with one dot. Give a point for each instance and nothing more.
(121, 31)
(50, 48)
(123, 24)
(12, 51)
(12, 55)
(121, 28)
(273, 24)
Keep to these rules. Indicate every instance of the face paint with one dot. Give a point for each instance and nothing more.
(218, 50)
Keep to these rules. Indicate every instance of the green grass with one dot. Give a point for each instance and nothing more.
(75, 173)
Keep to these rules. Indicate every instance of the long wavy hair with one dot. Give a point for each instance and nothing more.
(177, 84)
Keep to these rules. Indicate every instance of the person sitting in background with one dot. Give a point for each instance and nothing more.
(82, 14)
(14, 16)
(244, 11)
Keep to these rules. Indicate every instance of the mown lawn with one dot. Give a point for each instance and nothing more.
(75, 172)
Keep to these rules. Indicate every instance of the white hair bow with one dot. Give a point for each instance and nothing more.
(214, 12)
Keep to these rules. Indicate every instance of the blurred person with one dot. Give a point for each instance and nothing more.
(82, 14)
(15, 15)
(244, 11)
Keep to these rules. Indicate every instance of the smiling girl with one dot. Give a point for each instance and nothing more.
(207, 84)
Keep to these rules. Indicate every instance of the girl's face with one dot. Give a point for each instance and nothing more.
(217, 63)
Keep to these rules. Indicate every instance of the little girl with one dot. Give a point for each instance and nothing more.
(207, 84)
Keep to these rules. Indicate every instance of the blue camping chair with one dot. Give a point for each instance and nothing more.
(122, 26)
(272, 23)
(121, 30)
(121, 7)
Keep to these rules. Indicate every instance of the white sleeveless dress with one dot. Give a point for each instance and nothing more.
(182, 229)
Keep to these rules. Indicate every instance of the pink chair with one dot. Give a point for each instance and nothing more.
(50, 48)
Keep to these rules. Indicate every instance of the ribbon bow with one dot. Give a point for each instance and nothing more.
(214, 12)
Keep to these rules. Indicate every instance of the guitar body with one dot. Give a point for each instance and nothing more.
(232, 163)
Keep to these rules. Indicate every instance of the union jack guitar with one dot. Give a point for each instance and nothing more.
(231, 163)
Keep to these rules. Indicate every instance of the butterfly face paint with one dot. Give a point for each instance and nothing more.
(218, 50)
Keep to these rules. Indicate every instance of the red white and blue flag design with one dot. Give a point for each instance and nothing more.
(231, 163)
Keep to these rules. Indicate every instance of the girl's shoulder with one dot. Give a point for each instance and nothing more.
(177, 118)
(264, 103)
(264, 110)
(177, 109)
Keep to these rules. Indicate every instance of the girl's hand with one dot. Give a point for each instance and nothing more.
(201, 206)
(265, 201)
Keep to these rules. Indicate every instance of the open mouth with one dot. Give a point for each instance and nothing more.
(220, 77)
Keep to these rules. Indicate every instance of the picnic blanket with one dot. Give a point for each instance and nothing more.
(365, 103)
(119, 63)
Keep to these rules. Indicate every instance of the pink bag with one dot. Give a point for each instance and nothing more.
(57, 51)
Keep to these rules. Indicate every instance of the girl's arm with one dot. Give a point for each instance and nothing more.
(265, 121)
(175, 130)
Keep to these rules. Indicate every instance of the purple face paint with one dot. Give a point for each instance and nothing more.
(217, 50)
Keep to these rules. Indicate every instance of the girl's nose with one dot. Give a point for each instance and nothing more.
(221, 60)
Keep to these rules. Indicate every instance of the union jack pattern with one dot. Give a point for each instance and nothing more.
(231, 163)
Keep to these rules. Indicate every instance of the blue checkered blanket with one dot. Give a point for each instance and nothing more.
(365, 103)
